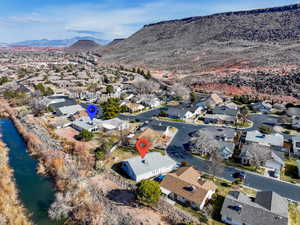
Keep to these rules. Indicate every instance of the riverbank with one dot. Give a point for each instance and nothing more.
(81, 197)
(12, 211)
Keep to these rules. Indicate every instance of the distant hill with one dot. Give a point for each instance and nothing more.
(262, 37)
(114, 42)
(84, 46)
(57, 43)
(109, 47)
(3, 45)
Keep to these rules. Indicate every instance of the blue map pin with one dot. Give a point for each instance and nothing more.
(92, 111)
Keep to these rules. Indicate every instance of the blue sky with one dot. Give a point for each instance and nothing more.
(106, 19)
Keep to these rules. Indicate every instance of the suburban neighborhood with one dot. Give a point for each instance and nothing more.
(216, 158)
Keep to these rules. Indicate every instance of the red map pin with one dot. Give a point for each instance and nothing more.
(143, 145)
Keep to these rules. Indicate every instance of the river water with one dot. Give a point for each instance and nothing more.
(36, 192)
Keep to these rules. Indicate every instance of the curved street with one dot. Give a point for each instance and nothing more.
(177, 151)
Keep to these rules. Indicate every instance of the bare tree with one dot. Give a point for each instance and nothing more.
(257, 154)
(181, 91)
(284, 120)
(244, 115)
(36, 104)
(215, 167)
(146, 86)
(203, 143)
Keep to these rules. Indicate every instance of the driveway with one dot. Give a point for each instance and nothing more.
(177, 151)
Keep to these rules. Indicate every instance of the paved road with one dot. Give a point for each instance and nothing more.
(177, 151)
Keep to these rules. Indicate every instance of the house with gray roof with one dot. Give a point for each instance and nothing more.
(69, 110)
(219, 119)
(296, 145)
(263, 107)
(255, 136)
(267, 208)
(226, 149)
(153, 164)
(225, 110)
(254, 153)
(293, 112)
(184, 112)
(296, 123)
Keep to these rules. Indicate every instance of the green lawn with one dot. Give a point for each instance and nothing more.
(170, 119)
(243, 125)
(290, 171)
(244, 167)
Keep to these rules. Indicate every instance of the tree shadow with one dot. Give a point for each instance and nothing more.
(124, 197)
(117, 167)
(291, 171)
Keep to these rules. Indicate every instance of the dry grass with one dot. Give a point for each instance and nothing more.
(294, 213)
(11, 210)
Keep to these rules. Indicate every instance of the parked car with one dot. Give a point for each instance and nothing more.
(240, 175)
(276, 173)
(159, 178)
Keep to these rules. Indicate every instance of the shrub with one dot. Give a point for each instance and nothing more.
(109, 89)
(148, 192)
(85, 135)
(237, 181)
(163, 113)
(111, 108)
(265, 129)
(100, 155)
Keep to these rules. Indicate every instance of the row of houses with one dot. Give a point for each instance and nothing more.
(183, 184)
(186, 186)
(265, 208)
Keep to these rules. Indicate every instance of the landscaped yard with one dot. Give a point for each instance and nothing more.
(290, 171)
(244, 125)
(214, 206)
(245, 167)
(294, 213)
(114, 159)
(170, 119)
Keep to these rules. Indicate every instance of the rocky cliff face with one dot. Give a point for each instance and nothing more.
(263, 37)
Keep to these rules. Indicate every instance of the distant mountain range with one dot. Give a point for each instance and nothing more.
(3, 45)
(57, 43)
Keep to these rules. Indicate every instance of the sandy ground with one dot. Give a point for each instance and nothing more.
(122, 197)
(69, 134)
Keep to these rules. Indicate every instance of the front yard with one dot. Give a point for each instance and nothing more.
(214, 206)
(170, 119)
(254, 169)
(290, 171)
(294, 213)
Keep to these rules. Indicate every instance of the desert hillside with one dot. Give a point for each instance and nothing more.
(245, 42)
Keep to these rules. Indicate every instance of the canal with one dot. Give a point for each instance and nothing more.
(35, 192)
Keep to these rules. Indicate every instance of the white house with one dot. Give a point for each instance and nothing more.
(48, 101)
(296, 145)
(85, 123)
(275, 140)
(69, 110)
(153, 164)
(113, 124)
